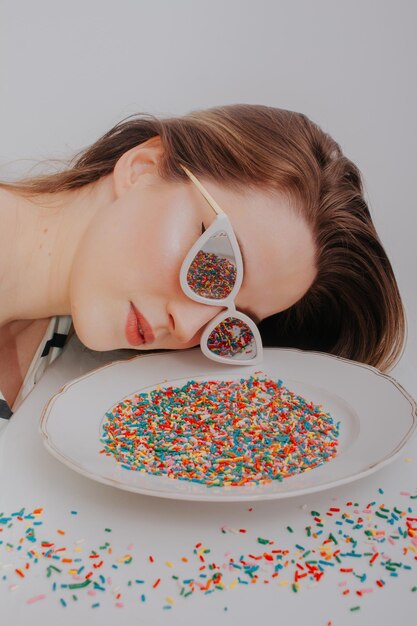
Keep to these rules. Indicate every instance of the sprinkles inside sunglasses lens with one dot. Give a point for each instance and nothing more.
(211, 275)
(232, 338)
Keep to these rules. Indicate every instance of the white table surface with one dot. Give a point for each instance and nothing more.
(168, 530)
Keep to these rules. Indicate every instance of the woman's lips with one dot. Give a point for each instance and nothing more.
(134, 337)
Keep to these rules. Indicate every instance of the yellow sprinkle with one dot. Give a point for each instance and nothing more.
(169, 564)
(233, 583)
(78, 549)
(408, 459)
(72, 571)
(169, 600)
(124, 558)
(413, 548)
(283, 582)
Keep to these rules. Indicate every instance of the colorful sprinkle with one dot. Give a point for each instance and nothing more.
(41, 596)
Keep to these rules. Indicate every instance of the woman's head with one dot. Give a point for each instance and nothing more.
(317, 276)
(135, 244)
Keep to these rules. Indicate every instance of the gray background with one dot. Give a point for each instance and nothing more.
(70, 70)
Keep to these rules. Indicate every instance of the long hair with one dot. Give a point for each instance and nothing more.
(353, 308)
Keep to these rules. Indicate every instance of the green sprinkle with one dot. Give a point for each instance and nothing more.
(290, 529)
(79, 585)
(63, 602)
(414, 588)
(95, 605)
(108, 530)
(264, 541)
(315, 514)
(355, 608)
(380, 515)
(294, 587)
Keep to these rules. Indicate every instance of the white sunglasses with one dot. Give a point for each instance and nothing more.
(212, 273)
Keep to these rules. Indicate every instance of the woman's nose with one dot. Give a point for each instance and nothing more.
(188, 317)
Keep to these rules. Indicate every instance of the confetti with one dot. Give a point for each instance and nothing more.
(220, 433)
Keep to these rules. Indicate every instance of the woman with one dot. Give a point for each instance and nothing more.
(102, 243)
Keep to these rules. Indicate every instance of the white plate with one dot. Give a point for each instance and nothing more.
(377, 417)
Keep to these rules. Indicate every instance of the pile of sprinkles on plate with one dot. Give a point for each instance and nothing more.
(220, 433)
(359, 546)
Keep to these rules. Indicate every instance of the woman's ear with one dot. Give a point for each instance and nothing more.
(141, 159)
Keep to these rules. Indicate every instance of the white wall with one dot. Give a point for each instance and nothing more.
(70, 70)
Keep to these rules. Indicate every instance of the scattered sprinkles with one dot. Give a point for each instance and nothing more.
(220, 433)
(362, 555)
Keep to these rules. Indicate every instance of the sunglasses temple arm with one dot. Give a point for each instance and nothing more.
(203, 191)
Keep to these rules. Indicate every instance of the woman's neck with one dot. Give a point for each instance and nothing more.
(38, 240)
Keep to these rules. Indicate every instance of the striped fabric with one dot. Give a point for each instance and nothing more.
(53, 341)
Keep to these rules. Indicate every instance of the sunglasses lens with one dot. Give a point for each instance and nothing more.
(212, 273)
(232, 338)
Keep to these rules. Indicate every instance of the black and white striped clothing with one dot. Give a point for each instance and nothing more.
(59, 328)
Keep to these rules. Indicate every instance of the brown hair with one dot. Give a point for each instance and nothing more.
(353, 309)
